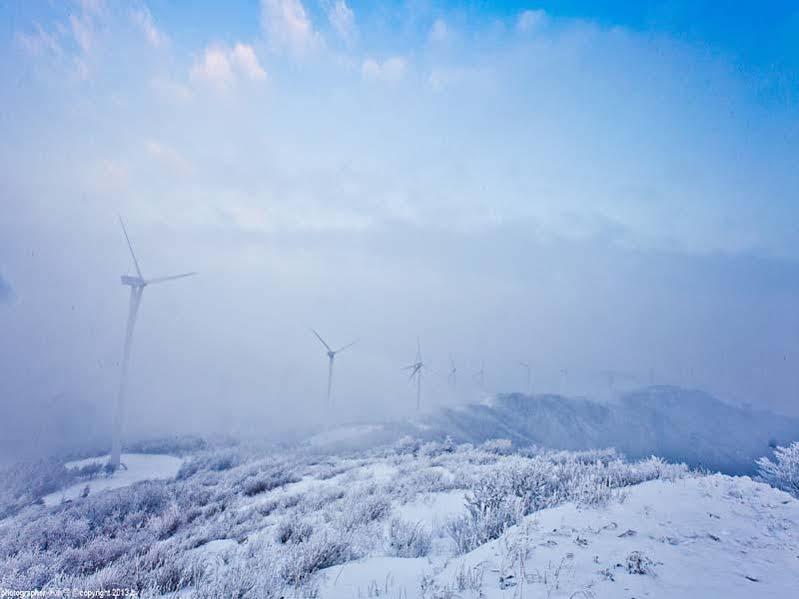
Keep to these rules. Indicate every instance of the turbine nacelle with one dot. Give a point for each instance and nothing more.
(133, 281)
(415, 369)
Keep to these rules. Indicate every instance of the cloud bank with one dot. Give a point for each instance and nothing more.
(528, 186)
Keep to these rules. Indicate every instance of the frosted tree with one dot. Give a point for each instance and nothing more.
(784, 472)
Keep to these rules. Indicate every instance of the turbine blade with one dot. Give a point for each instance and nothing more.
(170, 278)
(130, 247)
(322, 340)
(346, 346)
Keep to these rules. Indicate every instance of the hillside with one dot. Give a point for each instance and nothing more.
(674, 423)
(426, 520)
(712, 537)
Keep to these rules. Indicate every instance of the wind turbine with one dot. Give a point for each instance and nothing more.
(452, 379)
(527, 366)
(480, 374)
(416, 371)
(137, 285)
(331, 355)
(616, 377)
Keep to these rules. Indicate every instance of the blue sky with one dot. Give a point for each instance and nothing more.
(394, 169)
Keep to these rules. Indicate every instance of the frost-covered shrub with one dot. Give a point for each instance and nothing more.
(177, 445)
(26, 482)
(323, 549)
(407, 446)
(407, 539)
(249, 579)
(142, 536)
(267, 481)
(783, 473)
(216, 461)
(168, 523)
(93, 556)
(497, 446)
(639, 563)
(131, 505)
(488, 516)
(514, 486)
(369, 505)
(291, 530)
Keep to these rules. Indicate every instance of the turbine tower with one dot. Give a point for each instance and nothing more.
(331, 355)
(416, 371)
(526, 365)
(452, 379)
(480, 375)
(137, 285)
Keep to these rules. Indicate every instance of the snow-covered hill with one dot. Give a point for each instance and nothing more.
(674, 423)
(413, 519)
(671, 422)
(710, 537)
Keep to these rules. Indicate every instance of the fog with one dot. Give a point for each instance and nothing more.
(584, 197)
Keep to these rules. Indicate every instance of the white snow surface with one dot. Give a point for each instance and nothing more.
(139, 467)
(433, 510)
(708, 536)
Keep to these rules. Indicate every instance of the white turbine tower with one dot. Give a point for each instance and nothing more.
(452, 379)
(331, 355)
(137, 285)
(416, 371)
(526, 365)
(480, 376)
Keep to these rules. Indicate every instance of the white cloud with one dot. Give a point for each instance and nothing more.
(83, 32)
(39, 42)
(169, 157)
(530, 20)
(244, 58)
(391, 70)
(288, 27)
(214, 69)
(69, 44)
(220, 66)
(439, 32)
(144, 20)
(342, 19)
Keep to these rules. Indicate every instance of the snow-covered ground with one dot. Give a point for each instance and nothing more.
(432, 510)
(427, 520)
(714, 536)
(139, 467)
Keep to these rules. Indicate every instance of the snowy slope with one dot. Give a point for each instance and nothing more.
(674, 423)
(412, 520)
(681, 425)
(139, 467)
(714, 536)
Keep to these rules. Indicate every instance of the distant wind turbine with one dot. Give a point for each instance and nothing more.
(137, 285)
(416, 371)
(453, 374)
(616, 376)
(480, 375)
(526, 365)
(331, 355)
